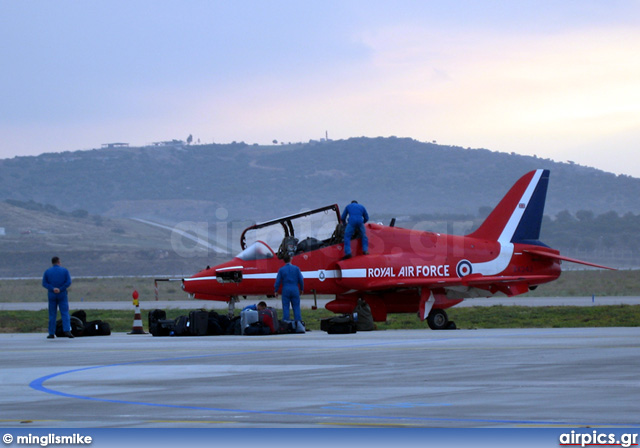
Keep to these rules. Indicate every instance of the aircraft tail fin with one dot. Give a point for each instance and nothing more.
(518, 216)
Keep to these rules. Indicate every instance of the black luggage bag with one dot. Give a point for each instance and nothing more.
(165, 327)
(343, 324)
(77, 327)
(257, 329)
(182, 326)
(198, 322)
(155, 316)
(97, 328)
(80, 314)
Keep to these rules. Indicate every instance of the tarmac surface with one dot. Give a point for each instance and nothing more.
(568, 377)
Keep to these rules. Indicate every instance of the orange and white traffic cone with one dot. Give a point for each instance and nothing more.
(137, 319)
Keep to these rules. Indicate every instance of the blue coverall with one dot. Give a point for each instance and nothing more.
(358, 216)
(57, 277)
(290, 277)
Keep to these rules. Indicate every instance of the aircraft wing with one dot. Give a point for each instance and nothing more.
(554, 256)
(508, 284)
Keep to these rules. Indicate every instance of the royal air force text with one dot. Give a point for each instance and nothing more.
(409, 271)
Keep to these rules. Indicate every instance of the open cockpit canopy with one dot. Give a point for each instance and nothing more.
(297, 233)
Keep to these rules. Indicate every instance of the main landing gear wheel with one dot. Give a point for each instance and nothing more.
(438, 320)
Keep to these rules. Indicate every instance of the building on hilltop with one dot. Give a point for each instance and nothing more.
(114, 145)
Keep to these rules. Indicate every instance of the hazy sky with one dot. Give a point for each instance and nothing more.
(559, 79)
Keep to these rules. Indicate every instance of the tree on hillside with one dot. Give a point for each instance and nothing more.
(585, 215)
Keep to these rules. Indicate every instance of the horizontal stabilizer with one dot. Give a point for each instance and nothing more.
(553, 256)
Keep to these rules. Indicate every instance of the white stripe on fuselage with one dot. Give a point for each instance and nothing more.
(306, 274)
(496, 265)
(319, 274)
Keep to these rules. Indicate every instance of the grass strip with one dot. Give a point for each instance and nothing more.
(498, 316)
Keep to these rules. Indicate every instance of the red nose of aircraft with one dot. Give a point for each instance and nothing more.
(215, 283)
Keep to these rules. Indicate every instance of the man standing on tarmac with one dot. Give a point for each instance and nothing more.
(57, 280)
(358, 216)
(290, 277)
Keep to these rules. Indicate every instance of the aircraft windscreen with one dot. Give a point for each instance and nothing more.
(318, 225)
(256, 251)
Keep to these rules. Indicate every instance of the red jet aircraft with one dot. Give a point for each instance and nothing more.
(406, 271)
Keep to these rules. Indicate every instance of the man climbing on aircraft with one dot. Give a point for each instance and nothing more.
(358, 216)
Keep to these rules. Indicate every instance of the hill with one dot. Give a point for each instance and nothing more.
(90, 245)
(210, 193)
(239, 181)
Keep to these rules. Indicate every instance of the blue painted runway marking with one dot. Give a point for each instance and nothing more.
(39, 385)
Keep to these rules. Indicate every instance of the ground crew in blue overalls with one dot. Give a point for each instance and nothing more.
(290, 277)
(57, 280)
(358, 216)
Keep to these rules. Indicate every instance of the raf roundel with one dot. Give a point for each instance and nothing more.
(464, 268)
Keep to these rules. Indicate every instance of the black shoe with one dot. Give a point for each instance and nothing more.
(346, 257)
(51, 336)
(366, 252)
(68, 334)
